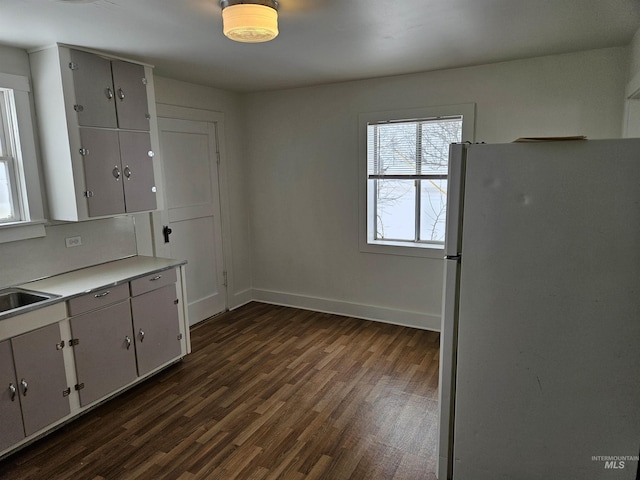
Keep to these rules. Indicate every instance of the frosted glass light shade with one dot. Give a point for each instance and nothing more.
(250, 23)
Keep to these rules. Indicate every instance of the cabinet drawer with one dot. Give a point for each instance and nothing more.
(98, 299)
(153, 281)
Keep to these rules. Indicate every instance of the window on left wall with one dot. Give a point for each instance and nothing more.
(21, 209)
(10, 199)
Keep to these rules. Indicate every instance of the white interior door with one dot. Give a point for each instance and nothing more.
(192, 202)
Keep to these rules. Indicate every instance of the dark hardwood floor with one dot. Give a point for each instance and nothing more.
(268, 393)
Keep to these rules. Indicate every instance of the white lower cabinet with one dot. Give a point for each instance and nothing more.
(112, 338)
(156, 321)
(36, 391)
(156, 327)
(103, 351)
(12, 430)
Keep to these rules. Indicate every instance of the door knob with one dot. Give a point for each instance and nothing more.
(166, 231)
(12, 391)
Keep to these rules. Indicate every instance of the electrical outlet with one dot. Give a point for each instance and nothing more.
(73, 241)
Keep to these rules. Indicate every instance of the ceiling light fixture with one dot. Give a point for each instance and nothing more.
(250, 21)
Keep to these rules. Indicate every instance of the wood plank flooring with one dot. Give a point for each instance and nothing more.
(268, 393)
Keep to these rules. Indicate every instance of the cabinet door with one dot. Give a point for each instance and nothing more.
(93, 87)
(102, 171)
(12, 430)
(156, 328)
(137, 170)
(105, 354)
(131, 95)
(42, 382)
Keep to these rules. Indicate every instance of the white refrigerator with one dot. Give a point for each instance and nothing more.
(540, 340)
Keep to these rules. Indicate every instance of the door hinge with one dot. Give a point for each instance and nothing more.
(79, 386)
(60, 346)
(74, 341)
(88, 194)
(224, 277)
(73, 66)
(84, 152)
(176, 301)
(66, 392)
(179, 336)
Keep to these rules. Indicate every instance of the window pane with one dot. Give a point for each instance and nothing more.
(5, 194)
(395, 209)
(433, 209)
(3, 125)
(437, 135)
(391, 149)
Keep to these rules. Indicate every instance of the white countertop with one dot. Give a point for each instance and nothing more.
(99, 276)
(72, 284)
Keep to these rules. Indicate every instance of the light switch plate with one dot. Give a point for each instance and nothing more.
(73, 241)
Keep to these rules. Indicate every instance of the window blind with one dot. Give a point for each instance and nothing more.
(411, 149)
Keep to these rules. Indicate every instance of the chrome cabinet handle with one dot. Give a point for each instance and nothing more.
(127, 172)
(141, 335)
(157, 277)
(12, 391)
(121, 94)
(108, 92)
(103, 294)
(116, 173)
(24, 385)
(128, 340)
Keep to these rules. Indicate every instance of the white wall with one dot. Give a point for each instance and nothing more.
(302, 156)
(14, 61)
(174, 92)
(634, 55)
(631, 114)
(292, 178)
(102, 240)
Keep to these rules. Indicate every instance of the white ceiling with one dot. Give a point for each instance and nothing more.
(321, 41)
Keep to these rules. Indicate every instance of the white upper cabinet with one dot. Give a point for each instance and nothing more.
(95, 131)
(130, 86)
(109, 93)
(93, 88)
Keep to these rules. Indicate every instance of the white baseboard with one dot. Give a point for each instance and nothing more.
(404, 318)
(241, 298)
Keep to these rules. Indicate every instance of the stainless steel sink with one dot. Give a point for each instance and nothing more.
(18, 299)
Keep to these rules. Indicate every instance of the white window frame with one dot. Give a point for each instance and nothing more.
(366, 243)
(23, 165)
(9, 155)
